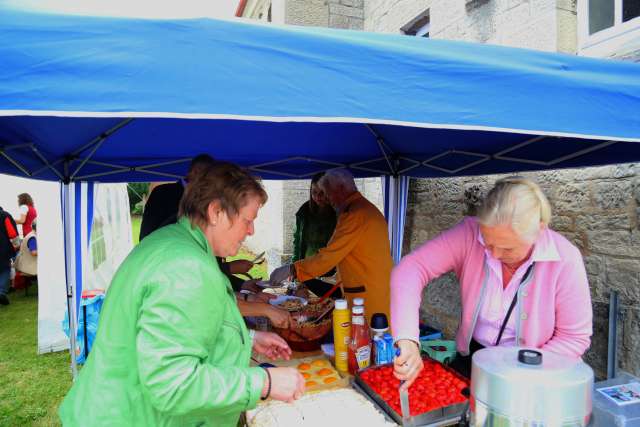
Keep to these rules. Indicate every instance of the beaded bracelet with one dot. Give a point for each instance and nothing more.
(269, 386)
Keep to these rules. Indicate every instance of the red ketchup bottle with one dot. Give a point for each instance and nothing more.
(360, 346)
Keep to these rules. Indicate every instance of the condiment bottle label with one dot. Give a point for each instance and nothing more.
(363, 356)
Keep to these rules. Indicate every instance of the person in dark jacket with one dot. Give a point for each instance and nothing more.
(8, 242)
(315, 223)
(162, 206)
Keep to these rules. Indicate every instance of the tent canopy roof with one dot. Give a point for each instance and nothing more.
(138, 98)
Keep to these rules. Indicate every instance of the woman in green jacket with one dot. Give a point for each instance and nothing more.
(172, 348)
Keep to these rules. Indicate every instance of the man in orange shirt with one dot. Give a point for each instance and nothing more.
(359, 247)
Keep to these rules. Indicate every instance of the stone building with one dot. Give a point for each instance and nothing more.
(596, 208)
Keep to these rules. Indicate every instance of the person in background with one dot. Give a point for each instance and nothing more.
(9, 242)
(26, 263)
(172, 348)
(359, 246)
(505, 257)
(162, 205)
(27, 213)
(315, 223)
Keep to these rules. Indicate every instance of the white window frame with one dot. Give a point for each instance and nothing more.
(605, 42)
(425, 29)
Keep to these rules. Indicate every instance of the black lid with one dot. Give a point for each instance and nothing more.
(379, 321)
(530, 357)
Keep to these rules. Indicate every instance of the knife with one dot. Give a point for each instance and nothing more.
(259, 259)
(404, 402)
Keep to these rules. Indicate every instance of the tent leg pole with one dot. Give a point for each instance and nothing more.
(612, 342)
(68, 226)
(397, 194)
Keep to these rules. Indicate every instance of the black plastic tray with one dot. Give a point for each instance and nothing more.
(436, 416)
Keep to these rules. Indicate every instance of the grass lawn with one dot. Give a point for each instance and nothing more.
(135, 228)
(31, 385)
(257, 271)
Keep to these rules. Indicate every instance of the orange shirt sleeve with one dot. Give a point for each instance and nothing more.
(349, 230)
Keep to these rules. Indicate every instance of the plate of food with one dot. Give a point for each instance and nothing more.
(288, 302)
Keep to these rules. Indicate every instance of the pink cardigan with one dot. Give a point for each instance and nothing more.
(554, 307)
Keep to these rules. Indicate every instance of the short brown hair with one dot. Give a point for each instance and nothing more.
(222, 181)
(25, 199)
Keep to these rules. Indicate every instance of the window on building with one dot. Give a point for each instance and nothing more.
(419, 26)
(602, 22)
(630, 10)
(601, 15)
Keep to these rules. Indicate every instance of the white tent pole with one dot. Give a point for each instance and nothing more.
(70, 255)
(396, 191)
(391, 195)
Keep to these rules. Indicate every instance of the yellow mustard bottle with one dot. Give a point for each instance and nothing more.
(341, 334)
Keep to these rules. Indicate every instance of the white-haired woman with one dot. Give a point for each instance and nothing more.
(521, 283)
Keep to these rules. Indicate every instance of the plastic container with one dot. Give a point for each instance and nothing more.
(341, 334)
(441, 350)
(379, 326)
(429, 333)
(360, 347)
(388, 342)
(607, 412)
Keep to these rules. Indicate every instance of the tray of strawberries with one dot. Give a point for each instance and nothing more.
(436, 395)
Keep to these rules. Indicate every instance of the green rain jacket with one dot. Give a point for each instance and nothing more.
(171, 347)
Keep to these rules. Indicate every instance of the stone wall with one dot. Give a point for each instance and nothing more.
(504, 22)
(595, 208)
(348, 14)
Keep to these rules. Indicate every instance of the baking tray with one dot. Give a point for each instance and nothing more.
(438, 416)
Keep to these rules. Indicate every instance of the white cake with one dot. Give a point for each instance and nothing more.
(331, 408)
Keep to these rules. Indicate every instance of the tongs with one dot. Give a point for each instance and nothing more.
(316, 319)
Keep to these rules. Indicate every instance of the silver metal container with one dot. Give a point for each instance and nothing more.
(512, 386)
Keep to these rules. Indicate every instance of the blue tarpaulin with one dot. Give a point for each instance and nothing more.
(289, 101)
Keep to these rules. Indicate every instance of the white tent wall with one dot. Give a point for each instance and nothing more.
(111, 207)
(269, 227)
(111, 239)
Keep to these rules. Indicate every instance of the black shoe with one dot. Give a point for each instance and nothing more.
(4, 300)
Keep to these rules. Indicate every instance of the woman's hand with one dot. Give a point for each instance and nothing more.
(271, 345)
(278, 317)
(251, 286)
(408, 365)
(287, 384)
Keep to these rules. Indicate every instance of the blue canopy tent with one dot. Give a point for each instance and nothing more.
(86, 99)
